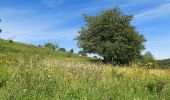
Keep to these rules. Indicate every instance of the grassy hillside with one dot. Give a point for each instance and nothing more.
(29, 72)
(164, 63)
(16, 48)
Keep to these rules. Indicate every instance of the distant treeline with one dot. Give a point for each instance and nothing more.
(55, 47)
(164, 63)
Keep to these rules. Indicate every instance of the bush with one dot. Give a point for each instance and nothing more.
(148, 61)
(51, 46)
(11, 41)
(62, 49)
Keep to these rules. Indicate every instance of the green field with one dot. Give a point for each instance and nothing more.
(28, 72)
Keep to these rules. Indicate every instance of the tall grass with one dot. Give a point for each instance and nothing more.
(32, 73)
(31, 77)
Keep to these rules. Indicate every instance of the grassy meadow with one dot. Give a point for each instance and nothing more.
(28, 72)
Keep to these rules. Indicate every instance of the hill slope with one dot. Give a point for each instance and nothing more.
(17, 49)
(164, 63)
(29, 72)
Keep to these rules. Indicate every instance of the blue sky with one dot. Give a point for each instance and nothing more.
(40, 21)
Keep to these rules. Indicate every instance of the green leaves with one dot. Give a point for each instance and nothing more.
(110, 35)
(51, 46)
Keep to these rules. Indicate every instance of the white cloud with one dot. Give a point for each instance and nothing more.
(15, 28)
(67, 34)
(19, 26)
(152, 13)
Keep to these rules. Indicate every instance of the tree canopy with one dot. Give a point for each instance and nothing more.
(51, 46)
(62, 49)
(110, 35)
(71, 51)
(148, 56)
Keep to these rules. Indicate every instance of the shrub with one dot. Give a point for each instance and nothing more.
(11, 41)
(62, 49)
(51, 46)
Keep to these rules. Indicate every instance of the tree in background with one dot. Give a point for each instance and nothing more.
(40, 45)
(70, 53)
(149, 60)
(148, 56)
(82, 53)
(62, 49)
(51, 46)
(110, 35)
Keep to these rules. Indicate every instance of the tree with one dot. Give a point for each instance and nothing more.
(149, 60)
(40, 45)
(82, 53)
(110, 35)
(51, 46)
(71, 51)
(62, 49)
(148, 56)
